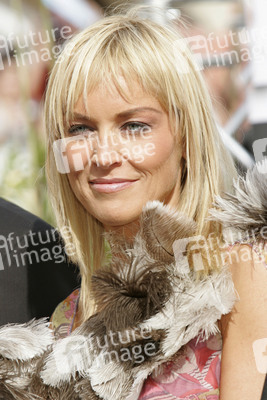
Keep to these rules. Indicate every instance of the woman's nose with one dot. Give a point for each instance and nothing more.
(106, 151)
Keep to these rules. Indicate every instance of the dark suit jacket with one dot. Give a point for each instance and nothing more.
(34, 273)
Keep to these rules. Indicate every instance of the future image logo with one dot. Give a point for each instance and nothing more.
(198, 245)
(32, 47)
(33, 247)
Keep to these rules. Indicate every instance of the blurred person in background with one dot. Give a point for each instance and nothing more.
(34, 272)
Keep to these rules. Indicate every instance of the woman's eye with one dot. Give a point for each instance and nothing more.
(79, 129)
(136, 128)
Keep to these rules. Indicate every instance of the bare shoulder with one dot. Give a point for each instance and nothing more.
(249, 273)
(242, 371)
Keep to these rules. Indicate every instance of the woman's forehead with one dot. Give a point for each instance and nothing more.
(121, 84)
(120, 90)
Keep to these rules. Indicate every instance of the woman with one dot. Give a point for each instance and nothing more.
(127, 100)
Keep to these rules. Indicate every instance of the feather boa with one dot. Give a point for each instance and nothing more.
(245, 211)
(150, 303)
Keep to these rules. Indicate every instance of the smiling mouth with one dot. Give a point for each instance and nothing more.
(110, 185)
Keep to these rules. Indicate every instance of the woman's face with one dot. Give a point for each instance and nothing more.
(130, 156)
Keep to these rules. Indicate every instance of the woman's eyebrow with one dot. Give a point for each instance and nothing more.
(123, 114)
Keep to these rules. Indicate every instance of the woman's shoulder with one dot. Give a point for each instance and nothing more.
(63, 317)
(248, 266)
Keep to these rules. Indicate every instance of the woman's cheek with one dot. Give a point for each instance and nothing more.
(154, 153)
(138, 153)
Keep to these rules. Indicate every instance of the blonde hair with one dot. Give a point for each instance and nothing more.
(133, 46)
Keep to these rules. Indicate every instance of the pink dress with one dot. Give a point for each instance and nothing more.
(194, 375)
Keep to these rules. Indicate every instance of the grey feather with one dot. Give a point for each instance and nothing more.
(246, 209)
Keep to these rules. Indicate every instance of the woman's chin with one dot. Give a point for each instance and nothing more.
(125, 225)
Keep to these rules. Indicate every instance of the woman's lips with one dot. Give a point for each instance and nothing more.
(106, 186)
